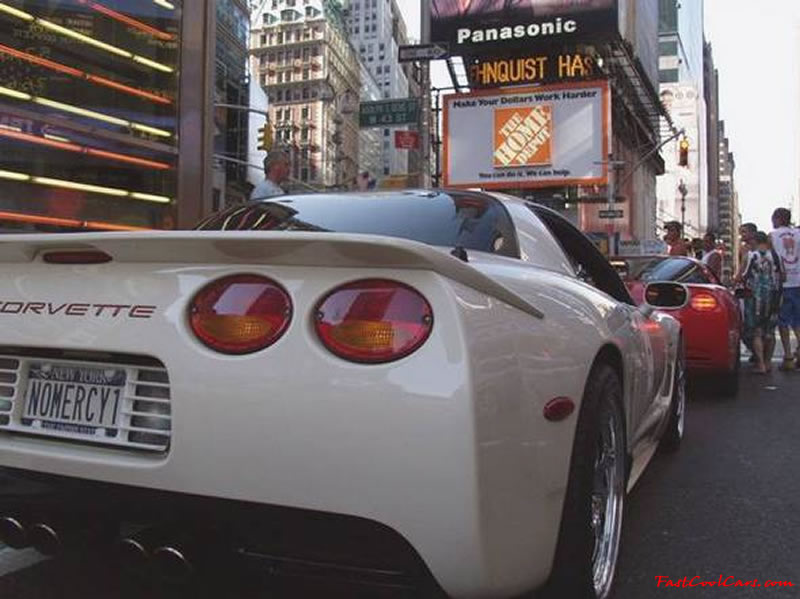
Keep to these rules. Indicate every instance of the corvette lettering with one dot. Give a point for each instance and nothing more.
(78, 309)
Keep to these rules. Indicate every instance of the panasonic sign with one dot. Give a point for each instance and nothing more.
(478, 36)
(482, 28)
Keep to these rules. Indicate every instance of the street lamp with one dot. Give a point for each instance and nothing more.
(343, 104)
(683, 191)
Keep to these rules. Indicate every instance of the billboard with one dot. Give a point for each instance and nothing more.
(481, 26)
(530, 137)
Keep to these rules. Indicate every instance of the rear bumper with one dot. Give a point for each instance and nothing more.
(279, 542)
(446, 447)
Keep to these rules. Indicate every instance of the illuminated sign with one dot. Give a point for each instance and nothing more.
(472, 26)
(530, 69)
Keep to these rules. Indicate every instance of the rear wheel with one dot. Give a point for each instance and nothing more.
(671, 440)
(730, 384)
(591, 522)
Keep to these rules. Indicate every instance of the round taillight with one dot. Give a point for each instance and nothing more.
(373, 321)
(240, 314)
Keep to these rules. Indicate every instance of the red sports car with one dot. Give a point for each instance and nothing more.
(711, 318)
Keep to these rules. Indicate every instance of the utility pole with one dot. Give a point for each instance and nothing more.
(683, 191)
(425, 109)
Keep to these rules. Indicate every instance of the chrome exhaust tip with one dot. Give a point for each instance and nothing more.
(12, 533)
(131, 553)
(44, 539)
(171, 564)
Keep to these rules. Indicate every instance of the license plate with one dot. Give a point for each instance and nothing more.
(75, 399)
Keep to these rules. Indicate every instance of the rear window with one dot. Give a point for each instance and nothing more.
(472, 221)
(666, 269)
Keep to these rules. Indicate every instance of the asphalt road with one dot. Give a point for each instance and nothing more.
(726, 505)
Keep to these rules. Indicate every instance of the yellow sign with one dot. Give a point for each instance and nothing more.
(523, 136)
(531, 69)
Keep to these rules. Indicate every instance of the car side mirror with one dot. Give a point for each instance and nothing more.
(666, 295)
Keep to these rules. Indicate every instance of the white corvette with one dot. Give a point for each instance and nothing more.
(450, 392)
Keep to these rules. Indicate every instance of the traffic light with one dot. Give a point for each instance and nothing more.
(265, 138)
(683, 152)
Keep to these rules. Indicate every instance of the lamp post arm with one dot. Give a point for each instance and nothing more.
(241, 107)
(647, 156)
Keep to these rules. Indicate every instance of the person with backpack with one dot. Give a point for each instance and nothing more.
(762, 279)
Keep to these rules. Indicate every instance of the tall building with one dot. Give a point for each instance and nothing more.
(231, 86)
(682, 89)
(711, 88)
(728, 204)
(377, 30)
(370, 139)
(311, 75)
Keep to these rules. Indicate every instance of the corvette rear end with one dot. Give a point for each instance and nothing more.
(259, 394)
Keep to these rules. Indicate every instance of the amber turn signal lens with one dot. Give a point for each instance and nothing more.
(240, 314)
(704, 302)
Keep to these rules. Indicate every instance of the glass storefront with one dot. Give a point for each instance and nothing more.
(88, 113)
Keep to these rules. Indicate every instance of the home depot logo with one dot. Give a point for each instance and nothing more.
(523, 136)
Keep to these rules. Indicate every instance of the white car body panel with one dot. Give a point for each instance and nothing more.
(447, 446)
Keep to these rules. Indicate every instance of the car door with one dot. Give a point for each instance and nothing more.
(644, 339)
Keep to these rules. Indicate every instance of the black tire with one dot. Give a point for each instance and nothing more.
(573, 568)
(730, 382)
(673, 435)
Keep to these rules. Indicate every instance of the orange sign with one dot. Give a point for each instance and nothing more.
(523, 136)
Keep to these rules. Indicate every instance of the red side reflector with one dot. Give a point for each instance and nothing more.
(558, 409)
(77, 257)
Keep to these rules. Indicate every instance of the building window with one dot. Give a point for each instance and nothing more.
(667, 16)
(668, 76)
(668, 48)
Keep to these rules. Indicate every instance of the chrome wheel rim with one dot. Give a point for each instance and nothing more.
(680, 395)
(607, 501)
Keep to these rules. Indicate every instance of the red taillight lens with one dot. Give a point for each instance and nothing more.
(240, 314)
(704, 302)
(373, 321)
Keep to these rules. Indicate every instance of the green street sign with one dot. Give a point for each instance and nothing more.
(387, 113)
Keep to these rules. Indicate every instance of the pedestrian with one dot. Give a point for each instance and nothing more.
(786, 243)
(696, 248)
(362, 181)
(674, 240)
(276, 172)
(762, 279)
(712, 256)
(747, 234)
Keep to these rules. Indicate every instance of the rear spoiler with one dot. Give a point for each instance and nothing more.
(265, 247)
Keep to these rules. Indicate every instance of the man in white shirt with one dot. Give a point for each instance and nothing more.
(276, 169)
(786, 243)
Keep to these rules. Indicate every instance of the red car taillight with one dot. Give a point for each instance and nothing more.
(704, 302)
(240, 314)
(373, 321)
